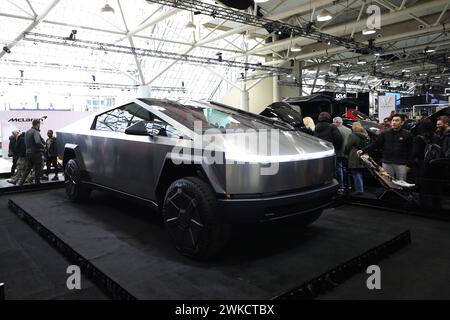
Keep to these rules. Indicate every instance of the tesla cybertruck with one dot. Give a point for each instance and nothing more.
(156, 151)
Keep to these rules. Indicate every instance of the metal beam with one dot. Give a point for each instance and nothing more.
(254, 84)
(223, 78)
(38, 20)
(31, 8)
(389, 18)
(118, 69)
(299, 10)
(152, 22)
(309, 31)
(441, 15)
(338, 14)
(110, 47)
(130, 39)
(20, 8)
(386, 39)
(118, 33)
(167, 67)
(390, 7)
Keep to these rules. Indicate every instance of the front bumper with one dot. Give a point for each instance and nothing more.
(259, 209)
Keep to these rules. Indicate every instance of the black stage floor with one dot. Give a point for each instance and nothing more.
(30, 267)
(127, 242)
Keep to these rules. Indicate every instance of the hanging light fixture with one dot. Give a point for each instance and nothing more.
(190, 25)
(107, 9)
(296, 48)
(360, 61)
(367, 32)
(324, 15)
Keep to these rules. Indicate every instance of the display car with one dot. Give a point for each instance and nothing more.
(130, 150)
(283, 111)
(433, 117)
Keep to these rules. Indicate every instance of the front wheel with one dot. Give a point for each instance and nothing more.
(75, 190)
(192, 220)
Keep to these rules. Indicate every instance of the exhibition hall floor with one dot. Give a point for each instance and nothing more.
(127, 242)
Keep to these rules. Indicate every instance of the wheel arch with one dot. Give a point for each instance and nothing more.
(72, 151)
(171, 172)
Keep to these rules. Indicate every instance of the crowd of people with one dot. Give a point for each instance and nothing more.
(404, 156)
(29, 151)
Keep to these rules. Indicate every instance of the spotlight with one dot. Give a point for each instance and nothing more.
(73, 35)
(6, 49)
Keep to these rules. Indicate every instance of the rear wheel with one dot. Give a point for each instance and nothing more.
(75, 190)
(192, 219)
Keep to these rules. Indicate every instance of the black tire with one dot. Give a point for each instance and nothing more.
(192, 220)
(75, 189)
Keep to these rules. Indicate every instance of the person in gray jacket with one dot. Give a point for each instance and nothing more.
(341, 161)
(34, 151)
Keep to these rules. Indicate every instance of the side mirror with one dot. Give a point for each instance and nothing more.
(138, 129)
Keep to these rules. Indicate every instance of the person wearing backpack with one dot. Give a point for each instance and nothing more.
(357, 140)
(425, 149)
(397, 145)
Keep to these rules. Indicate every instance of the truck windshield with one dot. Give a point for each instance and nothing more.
(210, 116)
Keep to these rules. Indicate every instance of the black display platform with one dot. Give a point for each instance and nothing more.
(8, 188)
(127, 243)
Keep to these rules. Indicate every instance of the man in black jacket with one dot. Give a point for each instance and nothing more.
(20, 153)
(12, 144)
(34, 152)
(51, 155)
(326, 131)
(397, 144)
